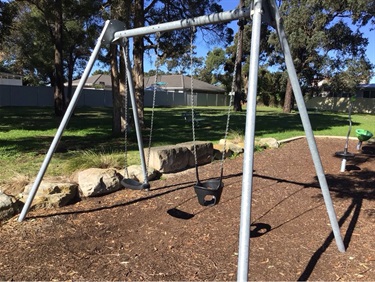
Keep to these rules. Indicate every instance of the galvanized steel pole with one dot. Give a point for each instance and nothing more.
(248, 163)
(62, 126)
(308, 131)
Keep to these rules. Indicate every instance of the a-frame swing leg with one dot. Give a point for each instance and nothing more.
(103, 38)
(145, 184)
(308, 130)
(248, 165)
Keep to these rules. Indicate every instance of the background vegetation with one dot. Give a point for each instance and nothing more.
(26, 134)
(325, 39)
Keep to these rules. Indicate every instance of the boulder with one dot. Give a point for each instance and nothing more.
(97, 181)
(268, 143)
(204, 152)
(169, 158)
(51, 194)
(231, 148)
(7, 206)
(135, 172)
(174, 158)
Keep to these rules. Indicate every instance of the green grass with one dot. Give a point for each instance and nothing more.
(26, 134)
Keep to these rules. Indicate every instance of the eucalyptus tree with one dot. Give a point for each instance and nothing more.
(82, 24)
(173, 44)
(322, 40)
(31, 58)
(119, 10)
(62, 33)
(7, 13)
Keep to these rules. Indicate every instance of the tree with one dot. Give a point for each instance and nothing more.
(119, 10)
(82, 24)
(7, 13)
(62, 38)
(52, 13)
(213, 69)
(33, 59)
(171, 44)
(321, 42)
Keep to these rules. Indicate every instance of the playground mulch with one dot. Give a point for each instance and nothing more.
(165, 234)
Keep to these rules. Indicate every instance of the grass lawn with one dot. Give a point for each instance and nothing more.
(26, 134)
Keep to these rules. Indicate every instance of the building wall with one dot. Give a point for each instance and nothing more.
(336, 104)
(366, 93)
(10, 79)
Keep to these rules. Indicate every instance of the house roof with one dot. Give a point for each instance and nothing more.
(97, 79)
(182, 82)
(169, 82)
(367, 86)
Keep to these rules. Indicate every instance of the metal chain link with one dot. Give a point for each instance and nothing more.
(192, 101)
(231, 94)
(125, 53)
(157, 64)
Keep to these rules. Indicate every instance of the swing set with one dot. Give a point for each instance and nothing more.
(259, 11)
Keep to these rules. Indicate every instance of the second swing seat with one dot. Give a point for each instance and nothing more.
(134, 185)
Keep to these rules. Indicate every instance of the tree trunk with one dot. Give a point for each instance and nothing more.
(288, 100)
(116, 118)
(70, 77)
(59, 98)
(121, 10)
(237, 103)
(138, 49)
(238, 94)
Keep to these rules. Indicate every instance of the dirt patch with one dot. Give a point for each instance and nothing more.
(165, 234)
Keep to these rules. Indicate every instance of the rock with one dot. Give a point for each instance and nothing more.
(174, 158)
(97, 181)
(268, 143)
(169, 158)
(136, 173)
(51, 194)
(204, 152)
(235, 147)
(7, 206)
(231, 148)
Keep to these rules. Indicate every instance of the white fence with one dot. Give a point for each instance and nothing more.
(28, 96)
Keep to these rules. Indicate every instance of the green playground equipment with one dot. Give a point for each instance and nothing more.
(362, 135)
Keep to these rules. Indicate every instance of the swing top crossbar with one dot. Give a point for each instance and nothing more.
(186, 23)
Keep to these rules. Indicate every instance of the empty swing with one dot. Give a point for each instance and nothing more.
(209, 191)
(128, 182)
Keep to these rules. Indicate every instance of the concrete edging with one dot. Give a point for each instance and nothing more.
(316, 136)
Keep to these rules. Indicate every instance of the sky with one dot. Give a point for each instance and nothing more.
(232, 4)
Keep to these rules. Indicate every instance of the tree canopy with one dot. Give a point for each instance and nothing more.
(325, 41)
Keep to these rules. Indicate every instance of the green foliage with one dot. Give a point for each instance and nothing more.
(29, 48)
(26, 134)
(7, 14)
(82, 160)
(214, 67)
(322, 43)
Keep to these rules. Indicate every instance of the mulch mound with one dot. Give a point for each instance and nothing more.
(165, 234)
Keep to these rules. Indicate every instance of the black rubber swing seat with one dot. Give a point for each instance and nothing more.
(134, 185)
(209, 192)
(343, 154)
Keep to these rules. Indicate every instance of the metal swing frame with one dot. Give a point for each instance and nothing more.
(267, 9)
(128, 182)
